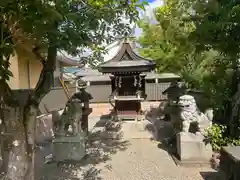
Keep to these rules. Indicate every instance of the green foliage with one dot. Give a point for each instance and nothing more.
(173, 44)
(167, 42)
(216, 133)
(217, 25)
(6, 48)
(69, 25)
(213, 77)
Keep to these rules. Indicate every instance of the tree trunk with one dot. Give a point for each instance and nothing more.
(31, 131)
(235, 78)
(19, 159)
(15, 145)
(20, 127)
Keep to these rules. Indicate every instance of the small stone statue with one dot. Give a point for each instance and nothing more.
(74, 119)
(189, 114)
(70, 121)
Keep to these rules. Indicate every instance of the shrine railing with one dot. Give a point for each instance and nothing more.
(138, 94)
(127, 94)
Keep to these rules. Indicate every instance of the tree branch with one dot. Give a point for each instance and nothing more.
(7, 94)
(46, 78)
(38, 55)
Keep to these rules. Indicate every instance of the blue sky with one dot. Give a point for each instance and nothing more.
(150, 0)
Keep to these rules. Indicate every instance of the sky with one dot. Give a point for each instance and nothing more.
(153, 4)
(150, 1)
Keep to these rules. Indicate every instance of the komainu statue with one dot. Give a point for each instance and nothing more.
(74, 118)
(189, 113)
(70, 121)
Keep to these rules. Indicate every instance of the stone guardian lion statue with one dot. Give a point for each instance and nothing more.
(189, 113)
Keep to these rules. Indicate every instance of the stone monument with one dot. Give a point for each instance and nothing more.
(191, 147)
(71, 130)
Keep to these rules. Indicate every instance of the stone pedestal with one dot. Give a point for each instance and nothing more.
(71, 148)
(191, 149)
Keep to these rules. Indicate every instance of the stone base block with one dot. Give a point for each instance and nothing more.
(192, 149)
(70, 148)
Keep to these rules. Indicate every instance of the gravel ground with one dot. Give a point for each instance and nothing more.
(114, 156)
(136, 159)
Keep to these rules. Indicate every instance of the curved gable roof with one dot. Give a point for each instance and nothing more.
(126, 60)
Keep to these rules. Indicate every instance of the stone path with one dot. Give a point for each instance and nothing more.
(111, 157)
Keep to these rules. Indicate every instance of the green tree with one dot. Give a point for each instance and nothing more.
(45, 27)
(217, 26)
(167, 41)
(172, 44)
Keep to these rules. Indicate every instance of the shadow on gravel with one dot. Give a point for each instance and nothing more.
(101, 146)
(103, 120)
(212, 175)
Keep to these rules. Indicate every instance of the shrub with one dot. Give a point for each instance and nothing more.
(216, 135)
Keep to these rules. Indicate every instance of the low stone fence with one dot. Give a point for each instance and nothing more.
(230, 162)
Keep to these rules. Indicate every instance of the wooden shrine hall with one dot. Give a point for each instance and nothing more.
(126, 71)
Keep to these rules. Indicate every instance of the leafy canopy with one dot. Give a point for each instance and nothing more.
(167, 41)
(217, 25)
(68, 25)
(171, 42)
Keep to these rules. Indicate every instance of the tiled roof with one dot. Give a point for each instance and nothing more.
(67, 60)
(127, 60)
(87, 72)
